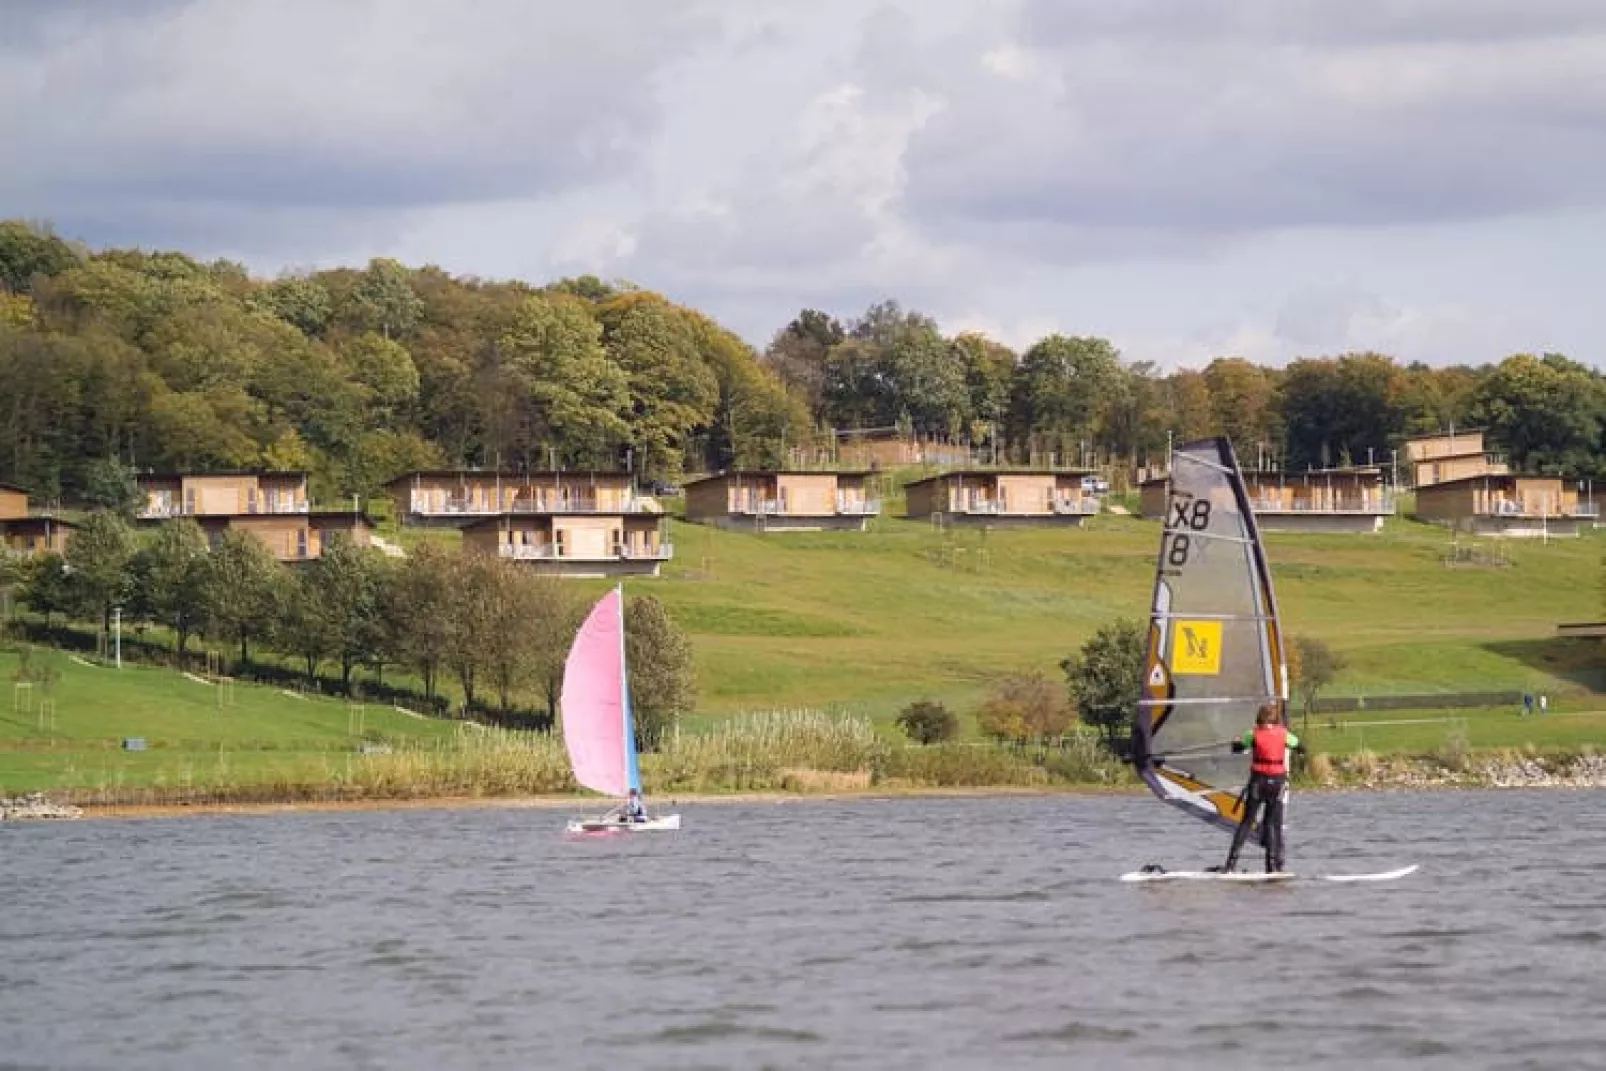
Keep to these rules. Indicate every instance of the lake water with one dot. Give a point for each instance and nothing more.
(974, 933)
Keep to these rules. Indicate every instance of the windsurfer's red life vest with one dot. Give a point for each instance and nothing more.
(1270, 755)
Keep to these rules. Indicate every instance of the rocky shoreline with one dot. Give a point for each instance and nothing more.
(36, 806)
(1505, 771)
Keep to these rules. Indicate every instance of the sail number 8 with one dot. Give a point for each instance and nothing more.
(1195, 515)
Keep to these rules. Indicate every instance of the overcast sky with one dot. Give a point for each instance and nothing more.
(1189, 178)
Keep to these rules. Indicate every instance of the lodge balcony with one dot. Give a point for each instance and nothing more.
(770, 507)
(1376, 505)
(464, 507)
(663, 552)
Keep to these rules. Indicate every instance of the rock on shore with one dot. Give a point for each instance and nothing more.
(36, 806)
(1508, 770)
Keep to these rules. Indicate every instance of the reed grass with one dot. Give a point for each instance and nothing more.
(801, 751)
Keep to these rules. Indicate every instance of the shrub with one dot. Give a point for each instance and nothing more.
(926, 722)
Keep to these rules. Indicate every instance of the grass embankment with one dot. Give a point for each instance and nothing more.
(862, 623)
(869, 621)
(251, 743)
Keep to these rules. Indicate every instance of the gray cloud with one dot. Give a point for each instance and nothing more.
(1321, 23)
(1243, 117)
(266, 103)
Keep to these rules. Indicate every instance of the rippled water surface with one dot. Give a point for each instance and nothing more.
(873, 934)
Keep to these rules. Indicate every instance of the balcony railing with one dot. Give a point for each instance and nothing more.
(1518, 508)
(165, 511)
(1085, 507)
(466, 508)
(858, 507)
(661, 553)
(526, 552)
(549, 552)
(1383, 503)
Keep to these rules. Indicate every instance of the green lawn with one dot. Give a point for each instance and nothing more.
(867, 622)
(873, 620)
(1567, 728)
(191, 728)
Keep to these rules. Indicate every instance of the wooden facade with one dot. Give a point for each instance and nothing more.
(1003, 497)
(458, 497)
(292, 537)
(1509, 504)
(1338, 500)
(1344, 500)
(1449, 457)
(879, 448)
(782, 501)
(25, 532)
(13, 502)
(35, 535)
(222, 494)
(575, 544)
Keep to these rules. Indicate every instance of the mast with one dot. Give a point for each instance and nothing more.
(632, 761)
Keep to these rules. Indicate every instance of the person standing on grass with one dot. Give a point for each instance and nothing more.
(1268, 743)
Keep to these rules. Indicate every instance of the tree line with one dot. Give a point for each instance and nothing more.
(500, 632)
(160, 362)
(1076, 401)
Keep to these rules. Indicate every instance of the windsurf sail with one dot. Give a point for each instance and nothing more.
(598, 728)
(1215, 652)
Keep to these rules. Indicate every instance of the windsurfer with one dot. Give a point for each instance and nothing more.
(1268, 744)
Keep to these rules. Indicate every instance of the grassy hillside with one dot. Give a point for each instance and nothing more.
(873, 620)
(866, 622)
(192, 729)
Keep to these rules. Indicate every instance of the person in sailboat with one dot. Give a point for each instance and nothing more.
(635, 808)
(1268, 744)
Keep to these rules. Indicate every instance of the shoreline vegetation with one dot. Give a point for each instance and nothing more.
(779, 757)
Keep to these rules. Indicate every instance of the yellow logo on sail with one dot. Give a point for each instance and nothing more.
(1196, 648)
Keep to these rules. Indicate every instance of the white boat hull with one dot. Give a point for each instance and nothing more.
(659, 824)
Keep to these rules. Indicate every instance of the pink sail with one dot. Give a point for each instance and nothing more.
(595, 717)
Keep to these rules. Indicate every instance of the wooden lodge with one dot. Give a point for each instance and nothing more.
(292, 537)
(459, 497)
(1451, 456)
(1003, 497)
(222, 494)
(273, 506)
(1337, 500)
(782, 500)
(575, 544)
(23, 531)
(888, 448)
(1509, 504)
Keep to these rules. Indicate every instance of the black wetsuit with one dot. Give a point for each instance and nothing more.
(1264, 793)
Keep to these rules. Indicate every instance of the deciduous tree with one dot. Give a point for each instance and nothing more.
(1104, 678)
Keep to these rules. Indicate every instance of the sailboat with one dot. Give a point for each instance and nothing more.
(1215, 653)
(598, 728)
